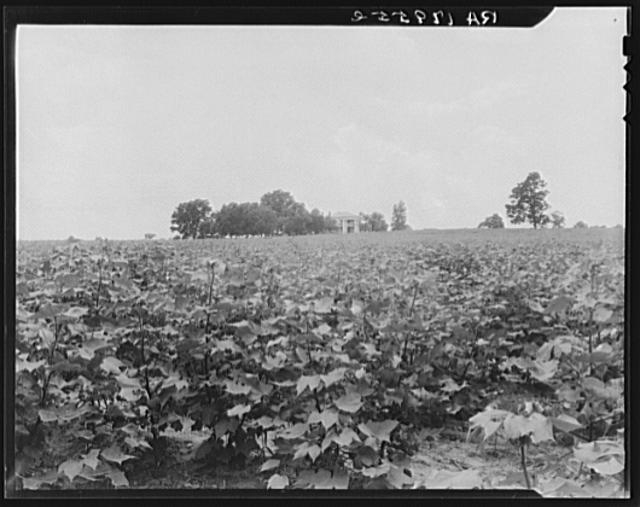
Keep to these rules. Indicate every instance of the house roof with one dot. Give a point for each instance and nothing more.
(345, 215)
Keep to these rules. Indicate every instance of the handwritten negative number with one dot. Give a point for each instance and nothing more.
(422, 17)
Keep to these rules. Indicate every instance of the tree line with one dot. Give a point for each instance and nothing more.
(277, 213)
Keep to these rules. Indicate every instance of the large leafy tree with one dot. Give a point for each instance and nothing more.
(188, 218)
(293, 217)
(399, 217)
(279, 201)
(492, 222)
(528, 202)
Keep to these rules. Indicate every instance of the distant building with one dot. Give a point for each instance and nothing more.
(347, 222)
(149, 236)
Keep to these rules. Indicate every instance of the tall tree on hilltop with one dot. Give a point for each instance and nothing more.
(188, 218)
(399, 217)
(528, 202)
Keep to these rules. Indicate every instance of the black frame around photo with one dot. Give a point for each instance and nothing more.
(510, 15)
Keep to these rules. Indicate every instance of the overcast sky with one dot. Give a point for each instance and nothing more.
(117, 125)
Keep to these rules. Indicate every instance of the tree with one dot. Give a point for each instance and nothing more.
(557, 220)
(188, 218)
(492, 222)
(279, 201)
(297, 220)
(293, 217)
(399, 217)
(317, 224)
(330, 224)
(377, 222)
(229, 219)
(262, 219)
(250, 218)
(374, 222)
(208, 227)
(580, 225)
(528, 202)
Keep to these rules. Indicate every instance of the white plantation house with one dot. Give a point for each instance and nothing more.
(347, 222)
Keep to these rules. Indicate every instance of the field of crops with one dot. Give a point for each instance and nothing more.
(323, 362)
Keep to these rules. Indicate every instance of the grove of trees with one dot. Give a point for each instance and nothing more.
(528, 204)
(276, 213)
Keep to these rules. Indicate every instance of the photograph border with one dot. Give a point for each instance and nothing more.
(160, 14)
